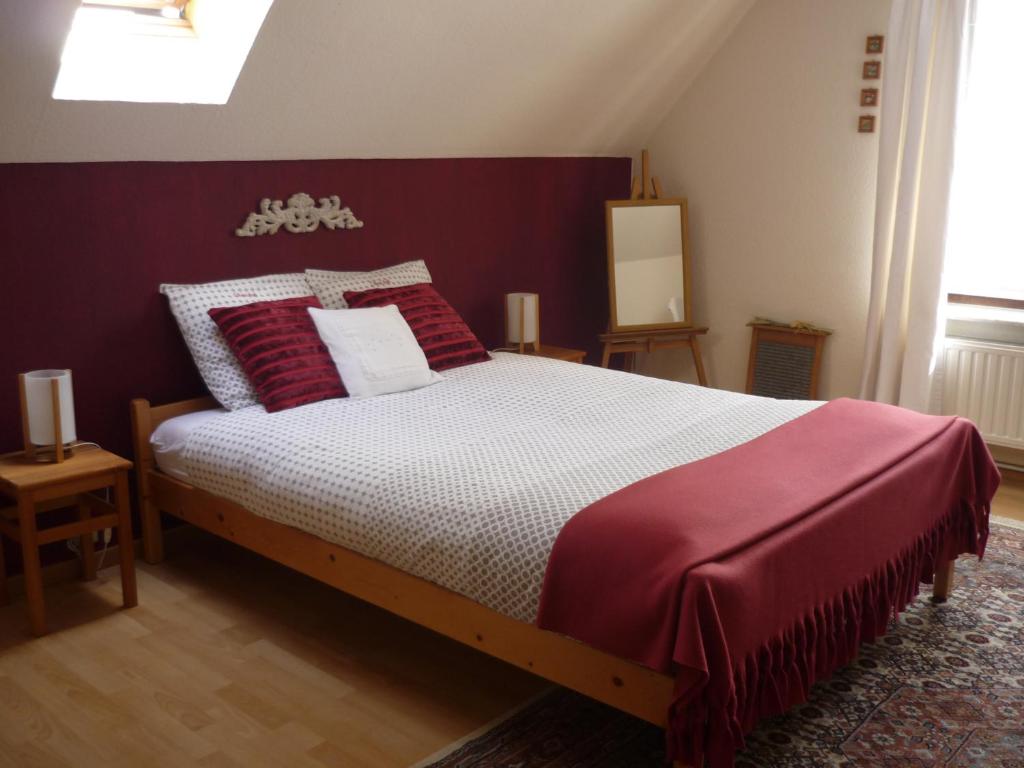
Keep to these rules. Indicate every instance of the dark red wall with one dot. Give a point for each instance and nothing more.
(84, 247)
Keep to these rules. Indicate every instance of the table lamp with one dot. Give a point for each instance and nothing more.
(522, 320)
(47, 414)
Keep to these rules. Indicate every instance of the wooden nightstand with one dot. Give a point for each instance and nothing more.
(35, 487)
(558, 353)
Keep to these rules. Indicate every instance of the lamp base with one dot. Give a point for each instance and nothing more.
(48, 454)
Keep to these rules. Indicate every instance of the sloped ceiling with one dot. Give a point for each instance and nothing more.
(385, 78)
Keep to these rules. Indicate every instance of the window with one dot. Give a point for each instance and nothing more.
(177, 51)
(985, 254)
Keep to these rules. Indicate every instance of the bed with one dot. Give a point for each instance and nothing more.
(443, 504)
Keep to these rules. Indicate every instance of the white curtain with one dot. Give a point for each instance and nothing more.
(925, 58)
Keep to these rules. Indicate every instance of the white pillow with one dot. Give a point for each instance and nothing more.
(330, 286)
(216, 362)
(375, 350)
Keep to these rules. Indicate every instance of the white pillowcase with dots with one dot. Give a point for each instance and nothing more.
(330, 286)
(213, 357)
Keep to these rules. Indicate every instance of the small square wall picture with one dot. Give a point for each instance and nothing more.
(866, 124)
(875, 44)
(869, 97)
(872, 70)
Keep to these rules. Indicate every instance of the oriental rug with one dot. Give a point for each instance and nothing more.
(943, 689)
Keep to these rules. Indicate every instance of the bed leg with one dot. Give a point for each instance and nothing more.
(152, 535)
(943, 584)
(142, 428)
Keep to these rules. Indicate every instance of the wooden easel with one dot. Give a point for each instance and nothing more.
(639, 189)
(629, 344)
(650, 339)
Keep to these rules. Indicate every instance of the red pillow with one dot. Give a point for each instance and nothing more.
(280, 351)
(444, 337)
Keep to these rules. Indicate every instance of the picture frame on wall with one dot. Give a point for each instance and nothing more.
(869, 97)
(866, 124)
(872, 70)
(875, 44)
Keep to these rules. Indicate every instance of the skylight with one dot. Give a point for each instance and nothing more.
(171, 51)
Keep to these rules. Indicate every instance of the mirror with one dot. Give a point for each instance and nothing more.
(648, 264)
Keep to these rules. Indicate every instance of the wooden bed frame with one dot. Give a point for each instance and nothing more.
(623, 684)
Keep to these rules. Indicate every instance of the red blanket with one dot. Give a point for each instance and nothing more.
(754, 572)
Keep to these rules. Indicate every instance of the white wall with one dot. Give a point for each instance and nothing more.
(401, 78)
(781, 186)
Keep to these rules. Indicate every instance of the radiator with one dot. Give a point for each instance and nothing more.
(984, 381)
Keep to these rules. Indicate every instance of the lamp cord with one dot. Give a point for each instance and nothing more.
(103, 554)
(106, 538)
(107, 535)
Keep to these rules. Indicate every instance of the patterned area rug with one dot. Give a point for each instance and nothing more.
(944, 688)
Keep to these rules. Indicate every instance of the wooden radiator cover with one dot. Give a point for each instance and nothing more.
(785, 362)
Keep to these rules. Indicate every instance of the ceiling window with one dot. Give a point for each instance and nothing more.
(172, 51)
(985, 255)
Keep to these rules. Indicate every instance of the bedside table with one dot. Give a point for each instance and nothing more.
(35, 487)
(557, 353)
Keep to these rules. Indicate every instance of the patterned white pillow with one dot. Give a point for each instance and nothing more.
(216, 362)
(330, 286)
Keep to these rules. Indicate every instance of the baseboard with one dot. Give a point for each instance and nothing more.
(1010, 458)
(70, 570)
(1009, 522)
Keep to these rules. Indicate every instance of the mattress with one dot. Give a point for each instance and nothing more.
(468, 482)
(169, 439)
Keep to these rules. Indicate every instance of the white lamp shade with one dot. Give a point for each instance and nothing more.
(516, 305)
(39, 403)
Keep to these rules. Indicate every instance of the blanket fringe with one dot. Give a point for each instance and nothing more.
(781, 672)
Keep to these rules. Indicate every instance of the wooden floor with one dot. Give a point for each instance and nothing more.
(1009, 500)
(231, 660)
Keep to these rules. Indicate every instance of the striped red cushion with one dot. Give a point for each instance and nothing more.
(444, 336)
(280, 351)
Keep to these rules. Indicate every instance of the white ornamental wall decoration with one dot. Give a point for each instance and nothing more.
(300, 215)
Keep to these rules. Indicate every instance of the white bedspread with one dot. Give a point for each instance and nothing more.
(468, 482)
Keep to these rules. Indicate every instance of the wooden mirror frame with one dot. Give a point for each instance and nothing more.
(609, 206)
